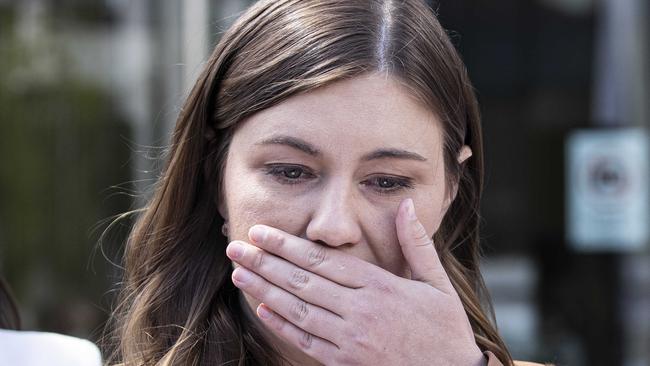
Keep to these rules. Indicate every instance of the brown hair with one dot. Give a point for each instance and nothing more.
(177, 304)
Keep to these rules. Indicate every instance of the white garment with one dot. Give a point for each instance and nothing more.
(22, 348)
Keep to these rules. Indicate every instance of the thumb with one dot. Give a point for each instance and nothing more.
(418, 248)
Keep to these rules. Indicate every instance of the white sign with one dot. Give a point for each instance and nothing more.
(608, 198)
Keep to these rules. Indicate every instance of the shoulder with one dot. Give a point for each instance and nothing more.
(524, 363)
(18, 348)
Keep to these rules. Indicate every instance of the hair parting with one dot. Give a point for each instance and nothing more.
(177, 304)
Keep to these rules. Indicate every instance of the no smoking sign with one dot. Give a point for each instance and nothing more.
(608, 198)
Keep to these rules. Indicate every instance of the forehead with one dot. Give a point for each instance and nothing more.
(350, 117)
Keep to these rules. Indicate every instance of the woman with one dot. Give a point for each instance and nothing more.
(325, 148)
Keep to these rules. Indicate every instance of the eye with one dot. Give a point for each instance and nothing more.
(289, 174)
(389, 184)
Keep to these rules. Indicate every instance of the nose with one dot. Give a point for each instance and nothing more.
(334, 220)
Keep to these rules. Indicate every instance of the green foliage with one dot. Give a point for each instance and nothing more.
(62, 145)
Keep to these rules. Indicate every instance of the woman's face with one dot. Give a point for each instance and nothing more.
(332, 166)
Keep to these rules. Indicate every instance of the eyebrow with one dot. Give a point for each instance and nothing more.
(304, 146)
(293, 142)
(393, 154)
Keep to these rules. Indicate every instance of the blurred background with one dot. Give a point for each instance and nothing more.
(89, 92)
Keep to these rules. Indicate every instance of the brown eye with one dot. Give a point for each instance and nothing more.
(386, 183)
(289, 174)
(293, 173)
(389, 185)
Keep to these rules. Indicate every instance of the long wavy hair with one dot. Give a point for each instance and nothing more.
(177, 304)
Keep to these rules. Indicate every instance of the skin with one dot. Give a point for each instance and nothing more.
(320, 196)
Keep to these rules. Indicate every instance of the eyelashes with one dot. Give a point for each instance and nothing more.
(291, 174)
(389, 184)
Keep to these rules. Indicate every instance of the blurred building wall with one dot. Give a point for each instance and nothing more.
(90, 91)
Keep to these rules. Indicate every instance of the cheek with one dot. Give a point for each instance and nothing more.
(430, 219)
(386, 248)
(250, 203)
(430, 209)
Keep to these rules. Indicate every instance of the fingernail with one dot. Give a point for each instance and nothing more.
(241, 275)
(263, 312)
(235, 250)
(257, 233)
(410, 209)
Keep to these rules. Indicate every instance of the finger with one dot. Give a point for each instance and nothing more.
(306, 285)
(342, 268)
(306, 316)
(319, 349)
(418, 248)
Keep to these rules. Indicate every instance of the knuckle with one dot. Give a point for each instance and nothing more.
(298, 279)
(299, 311)
(382, 286)
(316, 256)
(349, 359)
(421, 236)
(279, 324)
(357, 335)
(358, 343)
(274, 238)
(263, 289)
(366, 317)
(306, 340)
(258, 260)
